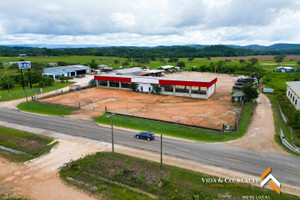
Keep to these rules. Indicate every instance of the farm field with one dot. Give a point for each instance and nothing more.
(213, 113)
(267, 62)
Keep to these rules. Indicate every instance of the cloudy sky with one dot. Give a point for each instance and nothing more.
(149, 22)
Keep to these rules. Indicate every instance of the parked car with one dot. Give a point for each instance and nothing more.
(145, 135)
(239, 83)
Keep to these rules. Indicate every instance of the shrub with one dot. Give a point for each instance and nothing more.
(102, 187)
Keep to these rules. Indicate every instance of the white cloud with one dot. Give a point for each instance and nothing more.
(123, 20)
(149, 22)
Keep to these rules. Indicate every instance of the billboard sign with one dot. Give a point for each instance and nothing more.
(24, 65)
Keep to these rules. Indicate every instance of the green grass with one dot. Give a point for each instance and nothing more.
(17, 92)
(279, 124)
(33, 144)
(45, 108)
(88, 173)
(277, 81)
(181, 131)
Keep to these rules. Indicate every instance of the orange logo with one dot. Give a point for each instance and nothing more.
(270, 177)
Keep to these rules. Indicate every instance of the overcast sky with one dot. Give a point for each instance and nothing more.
(149, 22)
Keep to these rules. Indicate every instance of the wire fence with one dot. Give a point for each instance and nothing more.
(10, 95)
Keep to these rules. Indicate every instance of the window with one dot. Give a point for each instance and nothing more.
(293, 98)
(149, 89)
(141, 88)
(296, 102)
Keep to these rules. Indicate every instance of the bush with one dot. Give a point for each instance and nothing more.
(4, 85)
(133, 86)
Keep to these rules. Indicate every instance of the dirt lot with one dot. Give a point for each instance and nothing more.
(209, 113)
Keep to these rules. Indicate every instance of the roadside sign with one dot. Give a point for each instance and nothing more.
(227, 127)
(24, 65)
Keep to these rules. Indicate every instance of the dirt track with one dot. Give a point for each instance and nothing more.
(214, 112)
(260, 134)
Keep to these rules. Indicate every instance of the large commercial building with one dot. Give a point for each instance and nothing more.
(293, 93)
(71, 70)
(194, 88)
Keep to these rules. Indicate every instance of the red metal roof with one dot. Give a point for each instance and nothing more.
(161, 80)
(113, 78)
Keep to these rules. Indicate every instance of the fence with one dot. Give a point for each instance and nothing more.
(60, 105)
(237, 123)
(167, 122)
(286, 144)
(17, 95)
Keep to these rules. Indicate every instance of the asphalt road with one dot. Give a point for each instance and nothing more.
(286, 169)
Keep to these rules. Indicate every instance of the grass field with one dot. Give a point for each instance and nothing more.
(45, 109)
(31, 144)
(181, 131)
(109, 61)
(17, 92)
(135, 178)
(277, 81)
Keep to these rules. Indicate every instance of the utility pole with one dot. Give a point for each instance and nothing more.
(179, 114)
(29, 78)
(161, 158)
(22, 79)
(215, 69)
(7, 82)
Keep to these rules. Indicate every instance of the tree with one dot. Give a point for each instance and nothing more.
(116, 62)
(279, 58)
(298, 63)
(253, 61)
(171, 60)
(93, 64)
(48, 81)
(125, 63)
(181, 64)
(133, 86)
(242, 61)
(162, 60)
(190, 59)
(250, 92)
(62, 79)
(156, 89)
(3, 83)
(61, 63)
(42, 84)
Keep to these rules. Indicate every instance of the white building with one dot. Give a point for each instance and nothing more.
(194, 88)
(293, 93)
(71, 70)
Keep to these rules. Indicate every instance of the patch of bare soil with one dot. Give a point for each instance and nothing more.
(38, 179)
(260, 134)
(214, 112)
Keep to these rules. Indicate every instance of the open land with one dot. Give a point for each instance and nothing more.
(260, 58)
(213, 113)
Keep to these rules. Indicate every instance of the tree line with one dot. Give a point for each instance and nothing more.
(143, 52)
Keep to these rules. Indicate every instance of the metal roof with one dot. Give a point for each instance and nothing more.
(59, 72)
(65, 68)
(285, 67)
(129, 70)
(238, 94)
(167, 67)
(295, 86)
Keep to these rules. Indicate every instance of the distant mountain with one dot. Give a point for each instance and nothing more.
(274, 47)
(255, 47)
